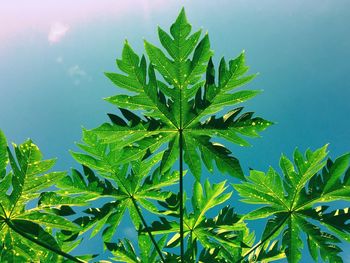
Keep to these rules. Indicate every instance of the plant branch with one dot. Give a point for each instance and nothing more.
(182, 250)
(261, 242)
(147, 228)
(42, 244)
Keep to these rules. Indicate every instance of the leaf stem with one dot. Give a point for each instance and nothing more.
(42, 244)
(261, 242)
(147, 228)
(182, 250)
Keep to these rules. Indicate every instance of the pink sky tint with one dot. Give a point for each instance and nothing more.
(18, 18)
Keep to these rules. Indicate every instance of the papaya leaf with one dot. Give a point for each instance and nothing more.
(210, 255)
(224, 229)
(174, 107)
(26, 232)
(128, 188)
(124, 250)
(107, 158)
(290, 201)
(336, 220)
(175, 90)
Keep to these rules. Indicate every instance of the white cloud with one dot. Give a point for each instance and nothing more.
(39, 16)
(76, 71)
(77, 74)
(57, 32)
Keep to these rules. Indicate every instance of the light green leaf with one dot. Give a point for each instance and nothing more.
(337, 170)
(49, 220)
(178, 99)
(171, 154)
(192, 157)
(292, 241)
(28, 177)
(203, 202)
(305, 183)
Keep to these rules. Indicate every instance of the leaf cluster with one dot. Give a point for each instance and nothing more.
(176, 107)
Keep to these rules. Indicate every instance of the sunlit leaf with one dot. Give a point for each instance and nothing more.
(290, 201)
(125, 188)
(175, 90)
(19, 188)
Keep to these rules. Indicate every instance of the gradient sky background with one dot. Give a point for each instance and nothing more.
(53, 55)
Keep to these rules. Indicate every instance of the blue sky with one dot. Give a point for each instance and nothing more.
(53, 55)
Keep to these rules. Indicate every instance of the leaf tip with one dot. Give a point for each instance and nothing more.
(182, 13)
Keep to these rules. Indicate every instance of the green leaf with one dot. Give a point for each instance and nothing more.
(224, 229)
(109, 215)
(274, 226)
(192, 157)
(107, 158)
(84, 188)
(170, 90)
(267, 253)
(335, 177)
(28, 177)
(49, 220)
(320, 241)
(337, 170)
(225, 162)
(292, 241)
(135, 81)
(203, 202)
(171, 154)
(18, 248)
(305, 183)
(135, 182)
(335, 221)
(262, 212)
(123, 251)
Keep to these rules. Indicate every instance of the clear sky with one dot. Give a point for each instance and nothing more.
(53, 55)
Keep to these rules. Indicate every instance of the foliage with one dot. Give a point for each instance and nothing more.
(138, 186)
(176, 108)
(24, 229)
(291, 201)
(176, 102)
